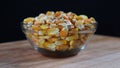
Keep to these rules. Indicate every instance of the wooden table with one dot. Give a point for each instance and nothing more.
(102, 52)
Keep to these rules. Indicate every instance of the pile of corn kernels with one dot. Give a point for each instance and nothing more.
(58, 31)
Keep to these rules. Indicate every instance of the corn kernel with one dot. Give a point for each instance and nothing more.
(63, 33)
(37, 23)
(35, 27)
(75, 16)
(41, 43)
(92, 19)
(87, 21)
(74, 44)
(36, 35)
(57, 14)
(60, 42)
(44, 26)
(29, 19)
(79, 24)
(71, 17)
(49, 46)
(78, 17)
(49, 13)
(74, 37)
(62, 47)
(53, 31)
(52, 47)
(46, 45)
(73, 31)
(64, 41)
(83, 16)
(52, 40)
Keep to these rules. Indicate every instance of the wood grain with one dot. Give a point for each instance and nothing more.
(101, 52)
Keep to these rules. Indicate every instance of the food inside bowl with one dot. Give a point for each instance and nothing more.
(59, 31)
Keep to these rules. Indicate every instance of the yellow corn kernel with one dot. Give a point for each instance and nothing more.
(44, 26)
(79, 24)
(52, 40)
(63, 33)
(71, 17)
(75, 16)
(73, 31)
(49, 13)
(83, 16)
(35, 27)
(52, 46)
(62, 47)
(57, 13)
(78, 17)
(64, 41)
(29, 19)
(73, 37)
(74, 44)
(41, 43)
(46, 45)
(53, 31)
(60, 42)
(37, 22)
(92, 19)
(49, 46)
(36, 35)
(87, 21)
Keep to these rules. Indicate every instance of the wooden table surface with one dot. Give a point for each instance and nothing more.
(102, 52)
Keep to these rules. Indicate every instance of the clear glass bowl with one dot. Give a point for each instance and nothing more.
(79, 44)
(83, 38)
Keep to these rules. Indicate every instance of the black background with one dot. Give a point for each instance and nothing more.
(13, 12)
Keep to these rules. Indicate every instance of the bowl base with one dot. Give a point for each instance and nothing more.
(58, 54)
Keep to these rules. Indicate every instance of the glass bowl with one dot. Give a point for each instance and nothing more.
(65, 47)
